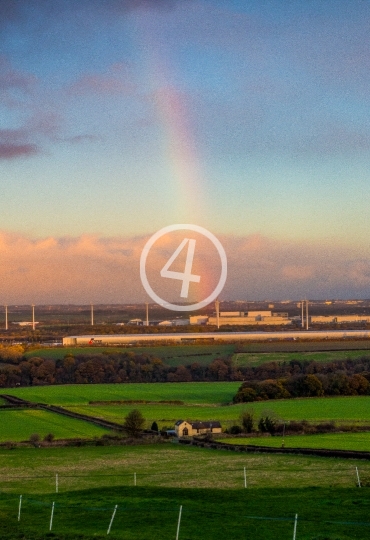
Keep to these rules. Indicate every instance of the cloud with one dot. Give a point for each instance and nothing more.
(12, 78)
(11, 151)
(19, 10)
(116, 80)
(100, 269)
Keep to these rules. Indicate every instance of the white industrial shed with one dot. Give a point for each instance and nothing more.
(122, 339)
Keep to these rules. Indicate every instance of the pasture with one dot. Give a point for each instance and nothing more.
(342, 410)
(81, 394)
(208, 484)
(331, 441)
(258, 358)
(202, 401)
(19, 425)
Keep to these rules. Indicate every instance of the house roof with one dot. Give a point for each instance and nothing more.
(205, 425)
(200, 425)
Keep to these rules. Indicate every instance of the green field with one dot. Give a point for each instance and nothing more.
(208, 484)
(18, 425)
(202, 401)
(305, 346)
(75, 394)
(259, 358)
(337, 441)
(346, 409)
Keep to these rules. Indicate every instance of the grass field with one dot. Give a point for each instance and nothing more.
(337, 441)
(209, 485)
(342, 410)
(18, 425)
(166, 465)
(259, 358)
(76, 394)
(203, 401)
(305, 346)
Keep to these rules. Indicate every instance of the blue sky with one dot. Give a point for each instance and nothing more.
(119, 117)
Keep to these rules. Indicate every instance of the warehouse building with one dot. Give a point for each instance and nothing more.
(286, 335)
(242, 318)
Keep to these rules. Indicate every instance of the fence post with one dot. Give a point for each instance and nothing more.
(245, 477)
(178, 524)
(19, 508)
(358, 478)
(51, 517)
(112, 518)
(134, 478)
(56, 483)
(295, 527)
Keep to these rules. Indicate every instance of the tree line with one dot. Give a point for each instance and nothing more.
(269, 381)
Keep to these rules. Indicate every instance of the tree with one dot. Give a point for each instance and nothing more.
(247, 420)
(134, 423)
(154, 427)
(267, 424)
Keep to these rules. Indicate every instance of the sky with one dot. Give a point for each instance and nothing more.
(249, 118)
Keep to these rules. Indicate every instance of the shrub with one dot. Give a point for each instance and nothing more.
(267, 424)
(235, 430)
(35, 439)
(247, 420)
(49, 437)
(154, 426)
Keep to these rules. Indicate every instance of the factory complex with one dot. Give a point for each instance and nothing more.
(134, 339)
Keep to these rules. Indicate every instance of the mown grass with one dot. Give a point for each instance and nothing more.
(202, 401)
(342, 409)
(75, 394)
(18, 425)
(208, 484)
(331, 441)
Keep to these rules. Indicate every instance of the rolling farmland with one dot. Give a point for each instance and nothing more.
(19, 425)
(202, 401)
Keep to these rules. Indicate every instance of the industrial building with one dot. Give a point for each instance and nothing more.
(242, 318)
(134, 339)
(339, 319)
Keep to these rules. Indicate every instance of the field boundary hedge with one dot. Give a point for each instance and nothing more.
(349, 454)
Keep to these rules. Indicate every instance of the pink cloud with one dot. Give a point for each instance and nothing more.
(12, 150)
(92, 268)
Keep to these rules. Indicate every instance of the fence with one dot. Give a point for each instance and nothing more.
(127, 519)
(226, 478)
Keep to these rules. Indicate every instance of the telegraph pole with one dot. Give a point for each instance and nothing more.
(306, 314)
(33, 316)
(217, 303)
(147, 313)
